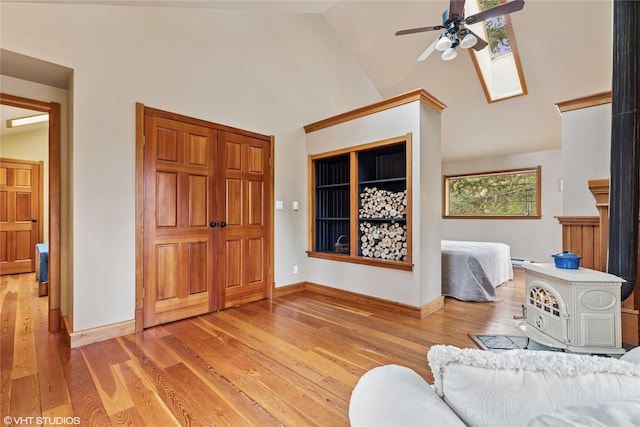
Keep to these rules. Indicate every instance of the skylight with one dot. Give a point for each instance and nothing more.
(498, 66)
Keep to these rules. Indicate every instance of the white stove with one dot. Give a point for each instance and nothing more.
(574, 309)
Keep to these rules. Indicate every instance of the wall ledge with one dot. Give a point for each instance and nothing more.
(584, 102)
(416, 95)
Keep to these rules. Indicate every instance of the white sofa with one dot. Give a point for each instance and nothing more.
(474, 387)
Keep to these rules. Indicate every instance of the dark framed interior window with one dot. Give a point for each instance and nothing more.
(513, 194)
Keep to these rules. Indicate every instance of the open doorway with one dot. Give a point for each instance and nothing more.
(24, 185)
(51, 225)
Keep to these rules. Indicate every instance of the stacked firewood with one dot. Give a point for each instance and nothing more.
(379, 203)
(385, 240)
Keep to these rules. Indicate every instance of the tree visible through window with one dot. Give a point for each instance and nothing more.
(513, 194)
(497, 33)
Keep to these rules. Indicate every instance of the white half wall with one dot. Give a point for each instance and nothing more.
(586, 154)
(423, 283)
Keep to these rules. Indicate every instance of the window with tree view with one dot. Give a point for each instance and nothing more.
(503, 194)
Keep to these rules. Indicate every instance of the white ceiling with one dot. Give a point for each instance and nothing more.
(564, 47)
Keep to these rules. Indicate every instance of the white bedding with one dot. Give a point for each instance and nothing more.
(472, 270)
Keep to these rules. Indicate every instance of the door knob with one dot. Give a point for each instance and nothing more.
(34, 219)
(213, 224)
(223, 224)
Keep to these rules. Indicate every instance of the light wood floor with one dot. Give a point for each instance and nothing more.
(289, 361)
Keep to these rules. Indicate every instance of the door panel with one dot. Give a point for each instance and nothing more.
(244, 261)
(19, 215)
(179, 249)
(197, 267)
(255, 257)
(256, 203)
(256, 161)
(198, 201)
(233, 263)
(167, 199)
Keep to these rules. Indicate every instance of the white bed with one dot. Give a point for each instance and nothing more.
(471, 271)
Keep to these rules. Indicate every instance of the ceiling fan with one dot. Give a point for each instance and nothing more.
(455, 32)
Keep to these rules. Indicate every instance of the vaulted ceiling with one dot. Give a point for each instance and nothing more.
(564, 48)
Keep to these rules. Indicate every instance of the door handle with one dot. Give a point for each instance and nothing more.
(213, 224)
(34, 219)
(223, 224)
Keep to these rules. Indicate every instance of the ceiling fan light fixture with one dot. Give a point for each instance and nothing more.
(449, 54)
(443, 43)
(468, 41)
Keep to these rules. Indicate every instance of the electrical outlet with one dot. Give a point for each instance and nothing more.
(295, 269)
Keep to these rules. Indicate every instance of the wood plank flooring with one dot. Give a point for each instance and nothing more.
(290, 361)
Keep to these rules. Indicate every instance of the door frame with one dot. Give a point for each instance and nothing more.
(139, 179)
(53, 109)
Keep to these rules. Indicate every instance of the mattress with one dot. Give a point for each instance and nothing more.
(42, 262)
(471, 271)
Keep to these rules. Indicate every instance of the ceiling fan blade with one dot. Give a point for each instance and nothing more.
(456, 9)
(503, 9)
(419, 30)
(481, 44)
(428, 51)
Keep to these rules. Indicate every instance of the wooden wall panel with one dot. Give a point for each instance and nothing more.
(580, 235)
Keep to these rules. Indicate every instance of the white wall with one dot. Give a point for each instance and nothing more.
(586, 154)
(423, 284)
(529, 239)
(267, 73)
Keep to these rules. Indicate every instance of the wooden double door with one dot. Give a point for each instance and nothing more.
(206, 217)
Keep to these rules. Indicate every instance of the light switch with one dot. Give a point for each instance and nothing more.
(279, 204)
(296, 205)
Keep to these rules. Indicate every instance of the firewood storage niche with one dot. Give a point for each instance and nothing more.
(361, 204)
